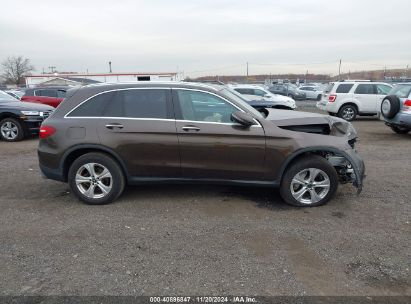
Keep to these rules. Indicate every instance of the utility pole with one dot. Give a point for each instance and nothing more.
(339, 71)
(52, 68)
(247, 70)
(109, 65)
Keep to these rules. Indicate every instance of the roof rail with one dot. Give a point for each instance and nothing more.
(356, 80)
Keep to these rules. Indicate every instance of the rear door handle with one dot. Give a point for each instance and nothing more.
(114, 125)
(190, 128)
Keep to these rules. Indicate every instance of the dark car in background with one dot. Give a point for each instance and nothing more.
(104, 137)
(20, 119)
(51, 96)
(287, 89)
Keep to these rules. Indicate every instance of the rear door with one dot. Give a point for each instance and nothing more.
(211, 145)
(138, 125)
(366, 96)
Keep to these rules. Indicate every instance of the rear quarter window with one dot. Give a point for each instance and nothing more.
(344, 88)
(93, 107)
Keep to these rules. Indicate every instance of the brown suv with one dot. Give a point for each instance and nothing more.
(103, 137)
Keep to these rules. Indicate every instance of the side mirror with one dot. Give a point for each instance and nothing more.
(243, 118)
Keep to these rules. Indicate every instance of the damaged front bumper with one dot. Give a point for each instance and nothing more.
(350, 167)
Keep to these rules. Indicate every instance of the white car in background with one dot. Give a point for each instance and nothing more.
(350, 98)
(256, 94)
(312, 92)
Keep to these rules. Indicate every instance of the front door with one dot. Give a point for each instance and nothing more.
(211, 145)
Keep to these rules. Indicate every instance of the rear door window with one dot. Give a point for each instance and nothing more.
(46, 93)
(139, 103)
(344, 88)
(365, 88)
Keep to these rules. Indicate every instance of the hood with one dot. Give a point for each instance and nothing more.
(26, 106)
(295, 120)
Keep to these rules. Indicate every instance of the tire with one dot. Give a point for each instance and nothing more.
(400, 130)
(390, 106)
(11, 130)
(319, 97)
(348, 112)
(304, 171)
(96, 183)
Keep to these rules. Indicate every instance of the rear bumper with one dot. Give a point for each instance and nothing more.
(54, 174)
(401, 119)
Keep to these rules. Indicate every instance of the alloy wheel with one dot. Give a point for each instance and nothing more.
(9, 130)
(309, 186)
(94, 180)
(348, 113)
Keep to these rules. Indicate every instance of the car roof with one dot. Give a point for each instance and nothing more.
(246, 86)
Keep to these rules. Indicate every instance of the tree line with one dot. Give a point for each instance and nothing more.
(14, 68)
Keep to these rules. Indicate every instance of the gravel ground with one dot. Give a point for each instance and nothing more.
(204, 240)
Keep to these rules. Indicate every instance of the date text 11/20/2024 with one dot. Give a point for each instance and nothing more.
(205, 299)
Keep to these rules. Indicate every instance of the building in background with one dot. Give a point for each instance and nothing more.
(73, 79)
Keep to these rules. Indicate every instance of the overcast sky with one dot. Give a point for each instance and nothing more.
(208, 37)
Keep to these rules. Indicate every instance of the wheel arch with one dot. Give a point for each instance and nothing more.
(4, 115)
(75, 152)
(320, 150)
(352, 103)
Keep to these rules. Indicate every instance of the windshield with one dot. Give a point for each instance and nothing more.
(4, 97)
(238, 98)
(401, 90)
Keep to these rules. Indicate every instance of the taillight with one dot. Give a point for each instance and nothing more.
(46, 131)
(407, 106)
(332, 98)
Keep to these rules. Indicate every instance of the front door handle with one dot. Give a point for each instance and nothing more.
(190, 128)
(114, 125)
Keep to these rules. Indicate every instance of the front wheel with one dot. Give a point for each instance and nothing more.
(96, 179)
(319, 97)
(309, 182)
(11, 130)
(400, 130)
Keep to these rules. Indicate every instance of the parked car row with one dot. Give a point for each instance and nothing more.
(20, 119)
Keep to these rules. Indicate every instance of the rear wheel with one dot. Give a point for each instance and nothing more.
(400, 130)
(309, 182)
(348, 112)
(96, 179)
(11, 130)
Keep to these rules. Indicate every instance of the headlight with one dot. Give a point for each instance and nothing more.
(30, 113)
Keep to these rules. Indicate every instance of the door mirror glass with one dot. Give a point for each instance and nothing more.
(242, 118)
